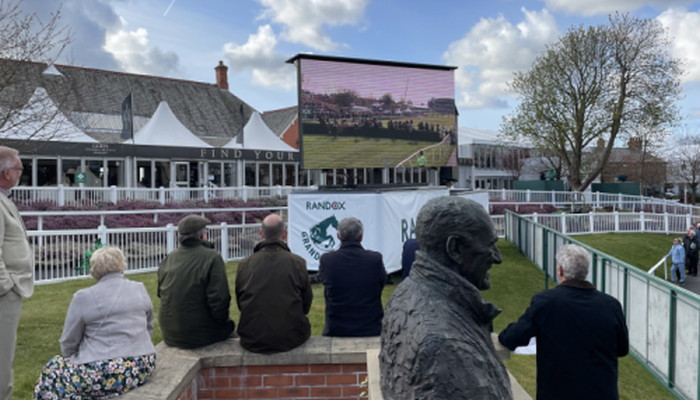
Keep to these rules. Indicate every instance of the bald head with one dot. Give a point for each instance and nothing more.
(273, 228)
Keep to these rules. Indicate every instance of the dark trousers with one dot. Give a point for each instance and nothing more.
(692, 263)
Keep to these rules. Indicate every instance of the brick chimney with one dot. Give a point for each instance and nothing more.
(221, 75)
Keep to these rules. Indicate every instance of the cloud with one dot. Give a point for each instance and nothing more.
(260, 56)
(87, 22)
(683, 27)
(489, 54)
(596, 7)
(100, 38)
(303, 21)
(132, 51)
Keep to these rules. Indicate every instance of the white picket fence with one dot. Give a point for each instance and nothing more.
(85, 196)
(61, 255)
(588, 201)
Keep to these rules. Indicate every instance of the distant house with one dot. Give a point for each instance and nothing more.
(632, 164)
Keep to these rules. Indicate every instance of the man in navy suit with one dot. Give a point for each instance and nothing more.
(353, 279)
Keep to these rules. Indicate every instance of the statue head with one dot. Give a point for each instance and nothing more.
(458, 233)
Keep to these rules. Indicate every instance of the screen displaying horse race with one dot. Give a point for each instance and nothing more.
(374, 114)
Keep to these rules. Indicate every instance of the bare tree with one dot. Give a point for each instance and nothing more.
(26, 42)
(684, 162)
(512, 160)
(595, 85)
(648, 139)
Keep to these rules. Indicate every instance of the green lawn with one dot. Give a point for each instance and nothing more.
(359, 152)
(513, 283)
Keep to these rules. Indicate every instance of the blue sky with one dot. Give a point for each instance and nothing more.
(487, 40)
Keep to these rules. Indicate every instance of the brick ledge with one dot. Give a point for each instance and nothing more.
(177, 368)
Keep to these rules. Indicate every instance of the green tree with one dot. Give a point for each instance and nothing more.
(594, 86)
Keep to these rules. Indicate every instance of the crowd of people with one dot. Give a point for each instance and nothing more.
(684, 255)
(435, 331)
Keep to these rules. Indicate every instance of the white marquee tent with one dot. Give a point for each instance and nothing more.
(257, 136)
(164, 129)
(40, 119)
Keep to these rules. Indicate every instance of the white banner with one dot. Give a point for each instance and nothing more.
(388, 219)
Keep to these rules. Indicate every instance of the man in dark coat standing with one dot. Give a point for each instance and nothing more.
(273, 293)
(193, 290)
(691, 243)
(580, 334)
(353, 279)
(436, 334)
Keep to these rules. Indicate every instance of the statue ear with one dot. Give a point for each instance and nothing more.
(454, 249)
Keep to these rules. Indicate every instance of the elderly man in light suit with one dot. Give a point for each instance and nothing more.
(16, 267)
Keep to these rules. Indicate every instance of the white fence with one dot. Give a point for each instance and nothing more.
(82, 196)
(588, 201)
(663, 319)
(61, 255)
(155, 214)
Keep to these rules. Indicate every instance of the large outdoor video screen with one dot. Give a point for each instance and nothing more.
(375, 114)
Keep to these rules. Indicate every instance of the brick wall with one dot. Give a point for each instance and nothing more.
(302, 381)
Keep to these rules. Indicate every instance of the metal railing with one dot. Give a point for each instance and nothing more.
(663, 319)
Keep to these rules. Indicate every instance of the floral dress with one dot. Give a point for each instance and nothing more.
(61, 379)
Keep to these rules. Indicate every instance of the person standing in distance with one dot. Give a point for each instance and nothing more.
(16, 266)
(580, 334)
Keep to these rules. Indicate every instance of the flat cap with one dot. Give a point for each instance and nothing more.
(192, 224)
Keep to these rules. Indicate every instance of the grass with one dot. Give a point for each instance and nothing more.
(359, 152)
(512, 285)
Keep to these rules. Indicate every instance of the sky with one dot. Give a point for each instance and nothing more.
(487, 40)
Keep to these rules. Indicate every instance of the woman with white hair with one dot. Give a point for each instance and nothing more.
(106, 346)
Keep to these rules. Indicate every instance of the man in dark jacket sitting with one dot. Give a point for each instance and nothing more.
(353, 279)
(273, 293)
(193, 290)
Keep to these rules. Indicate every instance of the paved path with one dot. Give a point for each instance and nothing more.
(692, 283)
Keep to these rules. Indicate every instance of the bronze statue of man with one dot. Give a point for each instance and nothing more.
(436, 341)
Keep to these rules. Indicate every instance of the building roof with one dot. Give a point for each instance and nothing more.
(280, 120)
(631, 154)
(92, 99)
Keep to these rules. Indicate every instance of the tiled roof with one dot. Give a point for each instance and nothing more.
(280, 120)
(211, 113)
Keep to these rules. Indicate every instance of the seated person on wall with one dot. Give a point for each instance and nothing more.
(193, 290)
(273, 293)
(580, 333)
(353, 279)
(436, 341)
(106, 341)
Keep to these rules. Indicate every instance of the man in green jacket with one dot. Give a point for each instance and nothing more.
(273, 293)
(193, 290)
